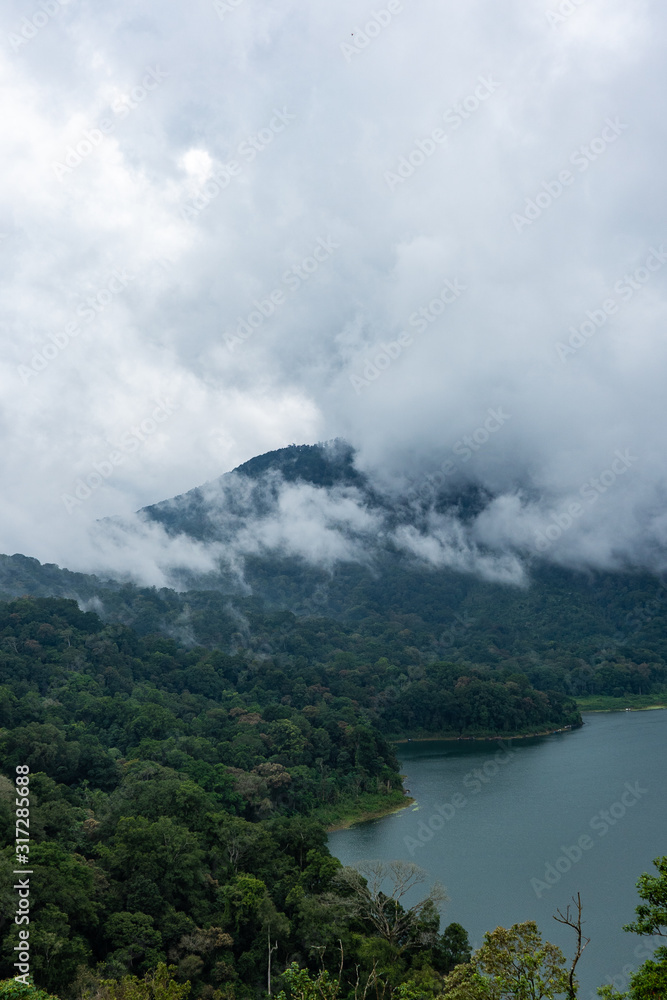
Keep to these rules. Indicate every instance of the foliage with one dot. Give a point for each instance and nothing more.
(156, 985)
(10, 989)
(652, 915)
(452, 949)
(173, 791)
(386, 914)
(303, 986)
(512, 964)
(650, 980)
(170, 793)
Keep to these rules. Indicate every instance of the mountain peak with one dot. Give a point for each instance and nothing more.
(325, 464)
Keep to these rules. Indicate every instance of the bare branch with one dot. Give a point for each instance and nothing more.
(384, 909)
(576, 924)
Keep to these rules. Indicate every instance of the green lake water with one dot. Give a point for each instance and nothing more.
(513, 834)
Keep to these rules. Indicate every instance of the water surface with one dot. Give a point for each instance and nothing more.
(513, 835)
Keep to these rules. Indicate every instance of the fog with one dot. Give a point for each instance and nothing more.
(434, 230)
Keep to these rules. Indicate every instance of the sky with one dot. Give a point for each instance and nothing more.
(433, 229)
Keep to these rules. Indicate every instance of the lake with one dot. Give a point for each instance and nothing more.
(514, 833)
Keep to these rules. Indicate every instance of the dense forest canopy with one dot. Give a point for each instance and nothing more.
(185, 751)
(176, 791)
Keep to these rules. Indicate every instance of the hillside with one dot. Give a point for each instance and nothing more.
(573, 632)
(187, 747)
(178, 796)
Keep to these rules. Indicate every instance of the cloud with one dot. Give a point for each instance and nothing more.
(283, 141)
(446, 544)
(321, 526)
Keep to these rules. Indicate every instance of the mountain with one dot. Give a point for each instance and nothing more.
(304, 545)
(217, 509)
(253, 490)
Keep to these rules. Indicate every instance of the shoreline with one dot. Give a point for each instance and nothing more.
(365, 817)
(644, 708)
(483, 739)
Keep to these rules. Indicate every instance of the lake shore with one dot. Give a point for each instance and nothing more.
(645, 708)
(348, 813)
(449, 738)
(630, 702)
(490, 836)
(369, 807)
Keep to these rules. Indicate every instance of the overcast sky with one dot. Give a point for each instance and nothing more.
(227, 227)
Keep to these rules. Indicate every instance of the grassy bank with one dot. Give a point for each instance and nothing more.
(483, 735)
(347, 812)
(606, 703)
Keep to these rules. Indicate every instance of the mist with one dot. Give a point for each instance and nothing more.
(433, 230)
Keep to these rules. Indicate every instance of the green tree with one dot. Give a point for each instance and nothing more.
(652, 915)
(512, 964)
(10, 989)
(452, 948)
(465, 982)
(650, 980)
(156, 985)
(135, 939)
(164, 854)
(302, 986)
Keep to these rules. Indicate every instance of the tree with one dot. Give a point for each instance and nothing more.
(134, 938)
(512, 964)
(576, 924)
(165, 853)
(303, 987)
(452, 949)
(465, 982)
(385, 912)
(10, 989)
(156, 985)
(650, 980)
(652, 915)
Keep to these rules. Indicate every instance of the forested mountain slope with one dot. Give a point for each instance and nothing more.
(175, 796)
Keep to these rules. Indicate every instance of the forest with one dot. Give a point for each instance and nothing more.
(179, 797)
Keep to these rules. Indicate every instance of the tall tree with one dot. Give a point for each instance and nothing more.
(512, 964)
(384, 910)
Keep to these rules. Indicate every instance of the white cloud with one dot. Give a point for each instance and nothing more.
(221, 87)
